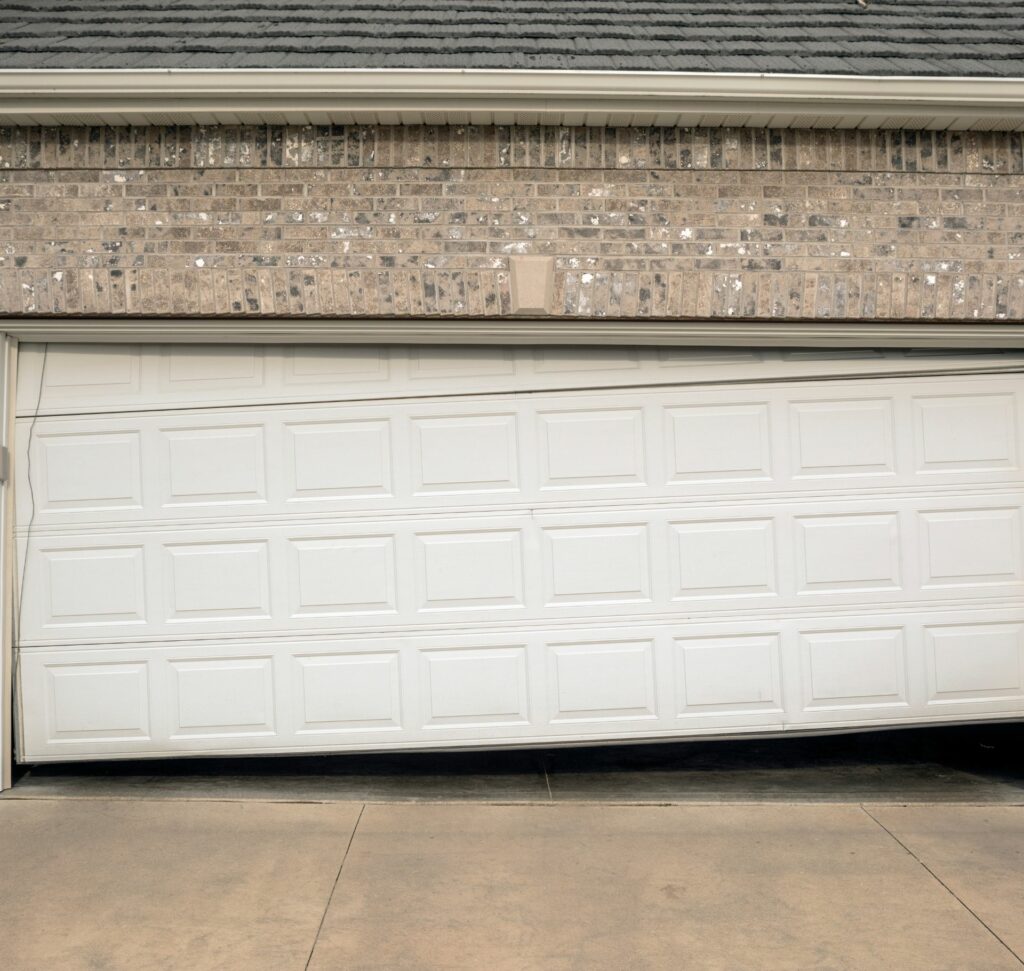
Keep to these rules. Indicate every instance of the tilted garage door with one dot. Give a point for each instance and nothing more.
(262, 549)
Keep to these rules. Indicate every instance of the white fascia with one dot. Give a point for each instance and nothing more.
(525, 97)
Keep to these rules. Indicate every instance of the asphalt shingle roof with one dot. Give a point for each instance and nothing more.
(888, 37)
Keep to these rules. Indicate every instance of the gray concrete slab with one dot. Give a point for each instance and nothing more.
(610, 887)
(107, 886)
(978, 852)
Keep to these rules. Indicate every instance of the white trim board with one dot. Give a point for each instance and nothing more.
(8, 565)
(603, 98)
(965, 335)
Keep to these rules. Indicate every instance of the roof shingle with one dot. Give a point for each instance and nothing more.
(890, 37)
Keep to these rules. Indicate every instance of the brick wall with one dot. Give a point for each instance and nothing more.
(340, 221)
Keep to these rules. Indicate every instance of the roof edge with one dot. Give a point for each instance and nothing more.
(210, 96)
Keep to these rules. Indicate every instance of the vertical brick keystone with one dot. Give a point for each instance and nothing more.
(533, 284)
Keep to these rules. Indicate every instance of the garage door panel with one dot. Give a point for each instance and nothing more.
(347, 693)
(735, 679)
(840, 438)
(252, 550)
(535, 685)
(324, 459)
(472, 453)
(86, 586)
(89, 374)
(353, 364)
(972, 546)
(636, 560)
(602, 680)
(967, 432)
(97, 700)
(724, 444)
(581, 448)
(219, 579)
(974, 663)
(211, 697)
(107, 378)
(852, 669)
(81, 472)
(185, 369)
(849, 553)
(343, 576)
(533, 450)
(213, 466)
(733, 558)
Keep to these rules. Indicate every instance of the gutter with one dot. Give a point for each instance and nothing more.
(211, 96)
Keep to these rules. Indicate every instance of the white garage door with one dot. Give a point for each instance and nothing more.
(256, 550)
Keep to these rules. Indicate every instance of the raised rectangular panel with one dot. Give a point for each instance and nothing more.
(603, 681)
(469, 570)
(719, 443)
(348, 692)
(188, 368)
(724, 559)
(553, 359)
(692, 356)
(854, 668)
(343, 459)
(597, 564)
(972, 662)
(838, 438)
(102, 700)
(460, 362)
(965, 433)
(77, 370)
(215, 465)
(591, 448)
(317, 364)
(727, 674)
(859, 552)
(465, 453)
(104, 585)
(831, 354)
(343, 575)
(217, 581)
(89, 471)
(968, 547)
(222, 696)
(475, 686)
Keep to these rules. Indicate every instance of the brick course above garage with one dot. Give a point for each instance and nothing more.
(423, 221)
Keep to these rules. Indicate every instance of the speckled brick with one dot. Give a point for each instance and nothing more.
(390, 221)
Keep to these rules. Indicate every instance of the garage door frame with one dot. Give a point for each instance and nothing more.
(962, 335)
(966, 336)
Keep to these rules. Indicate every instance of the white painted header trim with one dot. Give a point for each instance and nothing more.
(692, 333)
(504, 97)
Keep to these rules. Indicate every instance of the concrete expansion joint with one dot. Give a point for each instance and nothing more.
(334, 886)
(945, 886)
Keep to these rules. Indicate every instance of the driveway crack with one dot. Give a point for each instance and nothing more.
(945, 886)
(334, 886)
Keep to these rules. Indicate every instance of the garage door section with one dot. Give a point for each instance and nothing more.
(256, 550)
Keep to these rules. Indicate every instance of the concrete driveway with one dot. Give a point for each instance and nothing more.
(171, 868)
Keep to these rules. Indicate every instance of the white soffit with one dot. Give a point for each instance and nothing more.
(617, 98)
